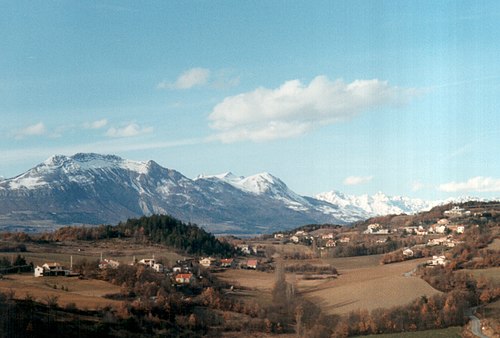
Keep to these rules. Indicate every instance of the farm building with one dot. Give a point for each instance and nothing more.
(252, 264)
(108, 263)
(226, 262)
(184, 278)
(206, 262)
(51, 269)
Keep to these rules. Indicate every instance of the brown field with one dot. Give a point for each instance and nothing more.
(490, 273)
(363, 284)
(84, 293)
(380, 286)
(495, 245)
(122, 250)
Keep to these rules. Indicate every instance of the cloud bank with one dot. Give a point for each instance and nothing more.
(475, 184)
(356, 180)
(190, 78)
(31, 130)
(295, 108)
(96, 124)
(130, 130)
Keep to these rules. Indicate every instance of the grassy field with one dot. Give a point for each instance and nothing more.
(362, 284)
(122, 250)
(84, 293)
(495, 245)
(491, 273)
(368, 285)
(450, 332)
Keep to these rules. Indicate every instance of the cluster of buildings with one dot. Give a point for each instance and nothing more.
(323, 240)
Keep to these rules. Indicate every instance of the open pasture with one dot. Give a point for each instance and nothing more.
(122, 250)
(362, 284)
(84, 293)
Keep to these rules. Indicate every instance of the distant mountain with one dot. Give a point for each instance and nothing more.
(378, 204)
(96, 189)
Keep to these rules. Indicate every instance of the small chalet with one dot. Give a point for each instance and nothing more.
(407, 252)
(206, 262)
(245, 248)
(330, 243)
(184, 278)
(108, 264)
(151, 263)
(294, 239)
(329, 235)
(437, 260)
(51, 269)
(226, 262)
(252, 264)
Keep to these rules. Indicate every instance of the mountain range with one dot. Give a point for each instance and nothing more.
(92, 189)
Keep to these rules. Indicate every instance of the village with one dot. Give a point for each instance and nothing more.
(444, 233)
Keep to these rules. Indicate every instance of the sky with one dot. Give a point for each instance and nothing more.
(357, 96)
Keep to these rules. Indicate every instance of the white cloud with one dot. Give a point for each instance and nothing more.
(416, 186)
(356, 180)
(475, 184)
(96, 124)
(130, 130)
(297, 108)
(31, 130)
(190, 78)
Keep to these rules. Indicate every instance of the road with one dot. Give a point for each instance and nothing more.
(475, 324)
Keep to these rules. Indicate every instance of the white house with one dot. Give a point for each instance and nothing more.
(329, 235)
(437, 260)
(206, 262)
(374, 227)
(294, 239)
(330, 243)
(407, 252)
(108, 263)
(245, 248)
(51, 269)
(456, 211)
(158, 267)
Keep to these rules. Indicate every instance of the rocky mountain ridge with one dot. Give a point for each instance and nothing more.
(96, 189)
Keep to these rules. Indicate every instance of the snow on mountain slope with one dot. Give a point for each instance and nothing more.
(378, 204)
(96, 189)
(263, 184)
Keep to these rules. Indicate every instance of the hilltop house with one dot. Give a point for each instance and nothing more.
(51, 269)
(151, 262)
(226, 262)
(330, 243)
(108, 263)
(329, 235)
(407, 252)
(437, 260)
(252, 264)
(206, 262)
(184, 278)
(456, 211)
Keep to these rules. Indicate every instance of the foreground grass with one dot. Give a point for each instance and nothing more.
(450, 332)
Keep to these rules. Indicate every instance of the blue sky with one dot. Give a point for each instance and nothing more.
(357, 96)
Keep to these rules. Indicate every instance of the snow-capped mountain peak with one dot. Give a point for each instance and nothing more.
(378, 204)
